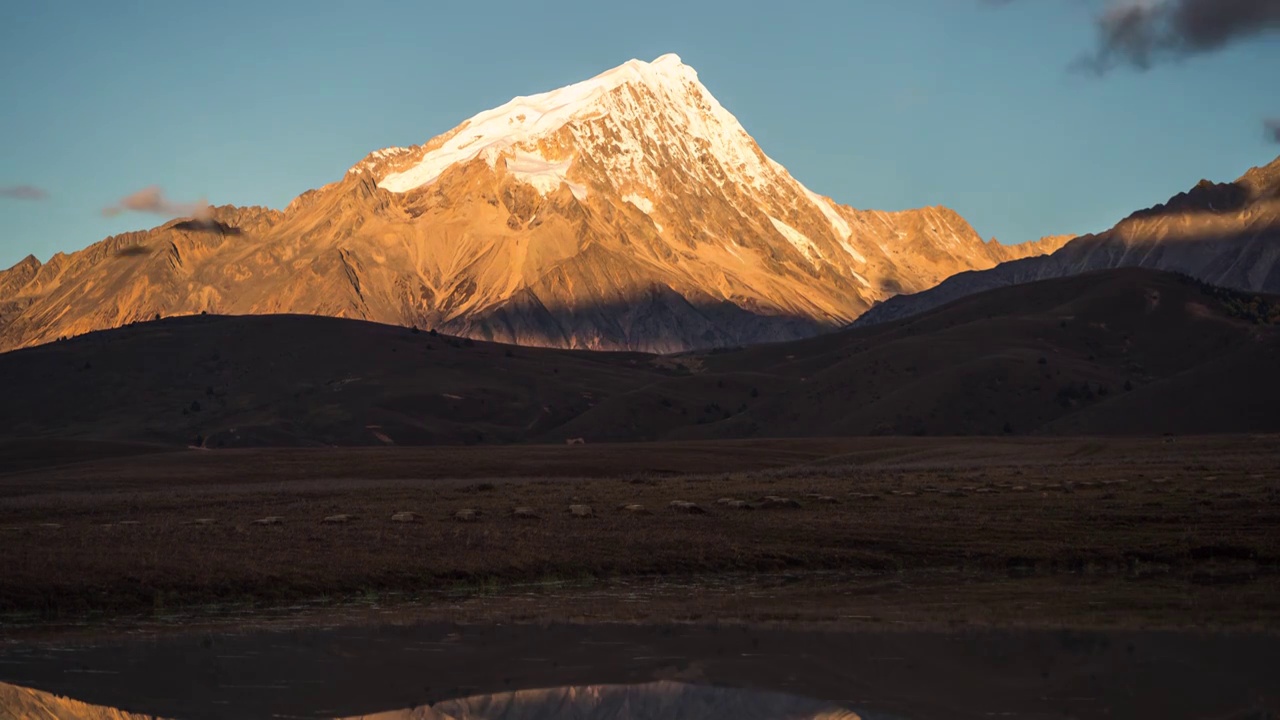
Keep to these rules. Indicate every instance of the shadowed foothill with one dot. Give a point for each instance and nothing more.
(1091, 354)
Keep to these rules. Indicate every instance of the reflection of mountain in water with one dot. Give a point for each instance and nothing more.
(654, 701)
(20, 703)
(665, 700)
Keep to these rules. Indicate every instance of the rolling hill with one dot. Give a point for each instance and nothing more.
(1118, 352)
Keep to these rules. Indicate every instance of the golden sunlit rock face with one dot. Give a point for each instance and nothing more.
(630, 211)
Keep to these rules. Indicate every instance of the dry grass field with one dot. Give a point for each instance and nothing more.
(1160, 531)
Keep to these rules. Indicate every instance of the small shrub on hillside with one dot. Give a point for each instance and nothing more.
(1257, 309)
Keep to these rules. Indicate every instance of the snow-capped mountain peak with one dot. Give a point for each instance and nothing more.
(618, 116)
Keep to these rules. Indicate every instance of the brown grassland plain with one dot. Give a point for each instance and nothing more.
(1035, 531)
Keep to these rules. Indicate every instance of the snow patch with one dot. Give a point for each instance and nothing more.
(640, 201)
(797, 238)
(544, 175)
(843, 231)
(645, 205)
(368, 163)
(853, 253)
(861, 279)
(387, 152)
(841, 227)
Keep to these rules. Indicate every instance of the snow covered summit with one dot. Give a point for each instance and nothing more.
(636, 98)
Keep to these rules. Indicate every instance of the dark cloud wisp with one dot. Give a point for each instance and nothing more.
(1272, 128)
(23, 192)
(1142, 33)
(152, 200)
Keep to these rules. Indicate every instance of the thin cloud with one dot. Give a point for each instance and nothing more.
(23, 192)
(1143, 33)
(152, 200)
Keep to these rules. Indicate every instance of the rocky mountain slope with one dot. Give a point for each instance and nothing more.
(1126, 351)
(629, 211)
(1227, 234)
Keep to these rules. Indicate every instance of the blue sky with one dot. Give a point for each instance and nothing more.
(884, 105)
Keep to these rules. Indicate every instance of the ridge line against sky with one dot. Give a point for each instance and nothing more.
(967, 104)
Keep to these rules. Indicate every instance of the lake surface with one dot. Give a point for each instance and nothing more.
(435, 671)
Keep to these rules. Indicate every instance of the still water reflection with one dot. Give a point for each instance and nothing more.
(434, 671)
(665, 700)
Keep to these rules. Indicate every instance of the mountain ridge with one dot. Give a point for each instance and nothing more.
(1226, 234)
(627, 212)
